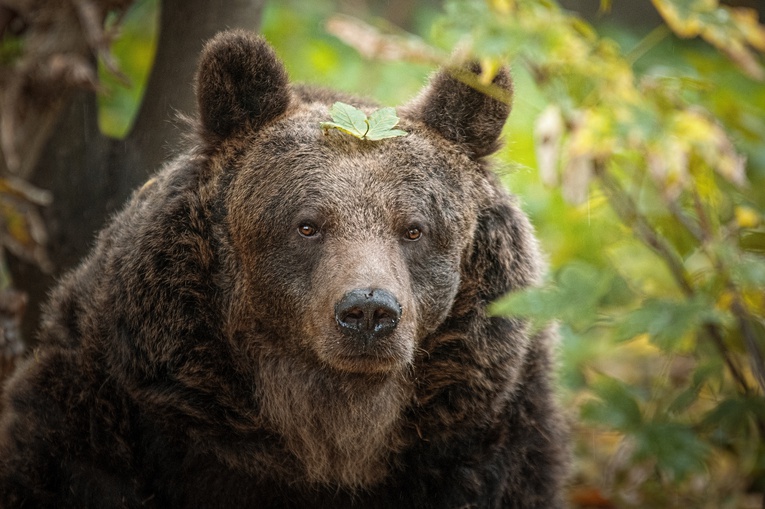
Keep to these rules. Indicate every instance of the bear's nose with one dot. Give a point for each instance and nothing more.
(368, 313)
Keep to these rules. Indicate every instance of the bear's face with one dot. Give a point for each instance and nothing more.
(347, 251)
(351, 249)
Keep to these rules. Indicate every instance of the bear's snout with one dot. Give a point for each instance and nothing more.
(368, 314)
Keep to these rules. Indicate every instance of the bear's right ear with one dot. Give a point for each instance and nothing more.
(461, 113)
(240, 83)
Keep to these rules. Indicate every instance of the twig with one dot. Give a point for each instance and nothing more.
(750, 341)
(694, 229)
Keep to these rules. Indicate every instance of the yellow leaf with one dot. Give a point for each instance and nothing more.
(747, 22)
(502, 6)
(746, 217)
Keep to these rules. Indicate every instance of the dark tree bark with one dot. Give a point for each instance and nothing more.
(91, 175)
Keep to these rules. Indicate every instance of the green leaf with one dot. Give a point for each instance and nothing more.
(684, 400)
(666, 321)
(735, 32)
(353, 121)
(348, 119)
(576, 298)
(381, 124)
(733, 416)
(676, 447)
(753, 241)
(616, 407)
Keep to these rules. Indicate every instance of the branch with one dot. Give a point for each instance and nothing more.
(750, 341)
(624, 207)
(628, 213)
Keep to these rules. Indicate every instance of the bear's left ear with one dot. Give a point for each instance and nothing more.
(240, 82)
(461, 113)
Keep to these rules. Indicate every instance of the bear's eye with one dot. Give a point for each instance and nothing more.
(413, 233)
(307, 230)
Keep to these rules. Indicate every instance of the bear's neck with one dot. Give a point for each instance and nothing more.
(341, 428)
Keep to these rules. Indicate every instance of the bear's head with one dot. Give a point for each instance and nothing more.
(282, 284)
(350, 251)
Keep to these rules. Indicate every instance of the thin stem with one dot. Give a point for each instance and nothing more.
(750, 341)
(713, 331)
(647, 43)
(704, 222)
(686, 221)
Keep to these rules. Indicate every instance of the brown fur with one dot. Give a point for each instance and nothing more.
(197, 358)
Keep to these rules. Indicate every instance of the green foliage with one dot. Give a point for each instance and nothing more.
(311, 55)
(134, 50)
(581, 290)
(658, 254)
(616, 406)
(11, 48)
(732, 31)
(378, 126)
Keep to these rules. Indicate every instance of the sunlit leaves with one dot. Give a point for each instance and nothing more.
(615, 407)
(134, 47)
(734, 31)
(600, 109)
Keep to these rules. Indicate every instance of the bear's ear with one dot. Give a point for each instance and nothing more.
(240, 83)
(461, 113)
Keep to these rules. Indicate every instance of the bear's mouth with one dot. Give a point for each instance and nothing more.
(389, 354)
(369, 363)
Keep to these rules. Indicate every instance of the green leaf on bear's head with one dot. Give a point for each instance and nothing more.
(381, 124)
(350, 120)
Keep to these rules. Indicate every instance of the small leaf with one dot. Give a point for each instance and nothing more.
(684, 400)
(666, 321)
(381, 124)
(347, 119)
(616, 407)
(676, 447)
(733, 416)
(753, 241)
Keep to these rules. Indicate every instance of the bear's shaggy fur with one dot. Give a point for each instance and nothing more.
(290, 318)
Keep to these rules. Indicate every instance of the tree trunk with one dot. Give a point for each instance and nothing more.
(91, 175)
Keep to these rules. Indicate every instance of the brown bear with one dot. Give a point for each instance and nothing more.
(292, 317)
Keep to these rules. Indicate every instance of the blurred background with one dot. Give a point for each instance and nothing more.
(636, 145)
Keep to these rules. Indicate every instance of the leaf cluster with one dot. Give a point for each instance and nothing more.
(379, 125)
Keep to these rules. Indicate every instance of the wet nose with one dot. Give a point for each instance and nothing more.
(368, 313)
